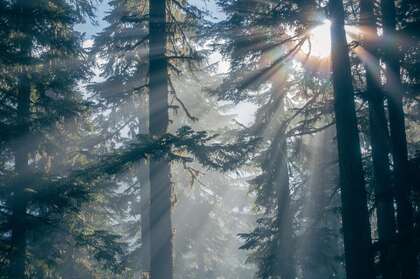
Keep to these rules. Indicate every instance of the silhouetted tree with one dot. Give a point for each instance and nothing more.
(384, 198)
(356, 227)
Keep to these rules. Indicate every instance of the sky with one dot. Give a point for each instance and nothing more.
(91, 29)
(102, 8)
(244, 112)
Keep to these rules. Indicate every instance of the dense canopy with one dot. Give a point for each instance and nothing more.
(213, 139)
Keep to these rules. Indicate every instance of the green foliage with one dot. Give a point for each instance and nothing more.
(263, 39)
(43, 48)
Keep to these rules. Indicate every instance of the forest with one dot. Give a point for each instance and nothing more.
(209, 139)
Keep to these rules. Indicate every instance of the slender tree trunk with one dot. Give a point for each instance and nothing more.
(393, 89)
(356, 227)
(287, 266)
(18, 202)
(21, 149)
(319, 249)
(143, 171)
(284, 248)
(378, 136)
(143, 178)
(160, 181)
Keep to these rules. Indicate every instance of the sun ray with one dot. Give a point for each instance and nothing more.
(371, 62)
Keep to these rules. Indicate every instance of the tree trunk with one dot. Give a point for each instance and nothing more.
(284, 249)
(143, 178)
(18, 202)
(143, 171)
(319, 250)
(379, 142)
(356, 227)
(394, 92)
(287, 266)
(21, 149)
(160, 182)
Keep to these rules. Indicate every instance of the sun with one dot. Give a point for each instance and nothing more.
(319, 41)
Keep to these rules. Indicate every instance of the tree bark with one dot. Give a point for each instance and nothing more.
(284, 250)
(143, 178)
(160, 181)
(18, 202)
(402, 186)
(379, 142)
(319, 250)
(356, 227)
(285, 247)
(143, 171)
(21, 148)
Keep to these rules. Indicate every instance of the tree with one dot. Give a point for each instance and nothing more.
(273, 238)
(398, 143)
(160, 182)
(210, 207)
(123, 92)
(320, 244)
(378, 125)
(44, 114)
(137, 172)
(159, 27)
(18, 203)
(35, 97)
(291, 104)
(356, 227)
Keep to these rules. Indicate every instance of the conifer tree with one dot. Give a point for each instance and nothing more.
(164, 29)
(384, 198)
(321, 242)
(356, 226)
(261, 53)
(139, 173)
(42, 69)
(393, 89)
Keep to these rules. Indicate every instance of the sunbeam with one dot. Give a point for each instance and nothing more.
(184, 139)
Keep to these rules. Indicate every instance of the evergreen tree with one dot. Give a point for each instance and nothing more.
(139, 173)
(42, 109)
(210, 207)
(356, 227)
(398, 142)
(261, 52)
(130, 70)
(321, 243)
(378, 136)
(37, 36)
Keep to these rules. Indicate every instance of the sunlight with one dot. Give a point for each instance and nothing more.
(319, 43)
(208, 139)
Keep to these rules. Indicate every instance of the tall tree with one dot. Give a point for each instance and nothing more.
(122, 45)
(276, 163)
(356, 227)
(273, 239)
(211, 208)
(384, 198)
(41, 109)
(145, 217)
(18, 202)
(164, 28)
(261, 52)
(160, 182)
(393, 89)
(321, 244)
